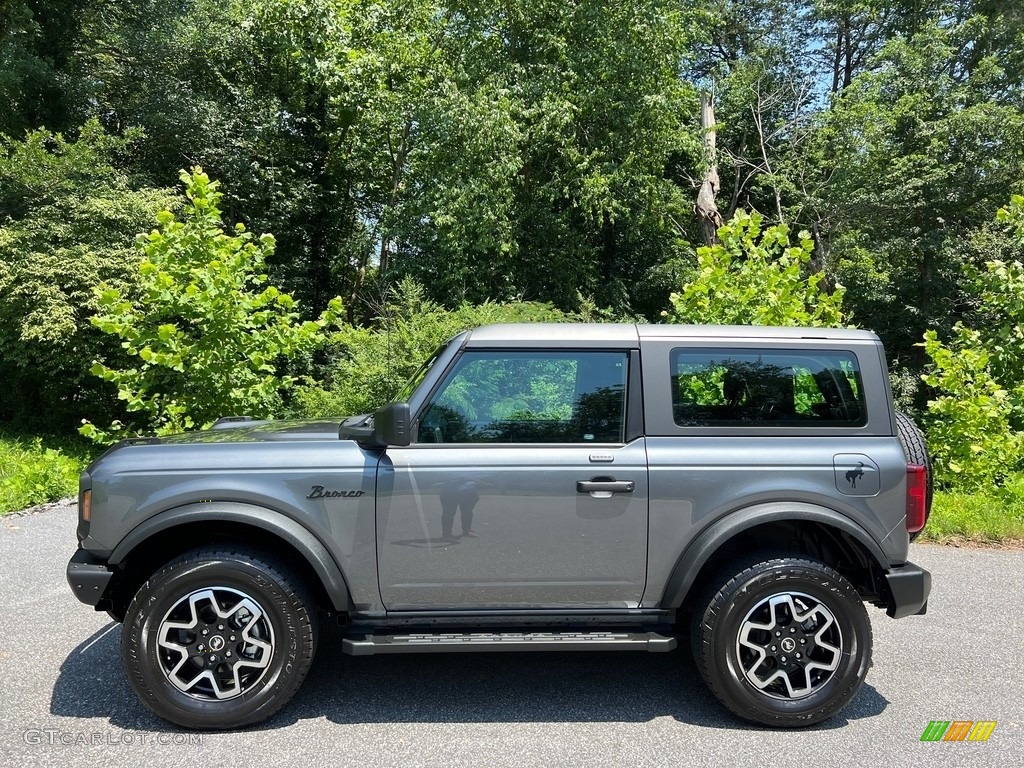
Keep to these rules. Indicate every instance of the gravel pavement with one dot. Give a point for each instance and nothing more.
(64, 700)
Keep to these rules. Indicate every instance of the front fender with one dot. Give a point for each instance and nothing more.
(285, 528)
(701, 549)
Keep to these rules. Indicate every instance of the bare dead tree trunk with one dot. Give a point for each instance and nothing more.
(706, 207)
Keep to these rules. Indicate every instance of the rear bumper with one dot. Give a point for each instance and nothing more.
(909, 587)
(88, 579)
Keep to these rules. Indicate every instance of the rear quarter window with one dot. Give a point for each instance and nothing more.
(771, 388)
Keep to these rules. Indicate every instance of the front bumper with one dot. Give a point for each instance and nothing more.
(909, 586)
(88, 578)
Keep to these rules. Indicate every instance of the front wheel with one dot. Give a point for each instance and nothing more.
(782, 641)
(218, 639)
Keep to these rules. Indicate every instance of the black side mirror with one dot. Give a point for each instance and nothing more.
(392, 425)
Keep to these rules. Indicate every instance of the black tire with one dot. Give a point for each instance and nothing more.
(916, 449)
(241, 661)
(836, 633)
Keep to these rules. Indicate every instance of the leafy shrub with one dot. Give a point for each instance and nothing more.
(208, 333)
(969, 436)
(370, 365)
(31, 473)
(755, 276)
(67, 222)
(976, 432)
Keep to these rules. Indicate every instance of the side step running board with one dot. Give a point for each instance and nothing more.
(448, 642)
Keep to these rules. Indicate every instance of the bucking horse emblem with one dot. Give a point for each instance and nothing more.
(853, 475)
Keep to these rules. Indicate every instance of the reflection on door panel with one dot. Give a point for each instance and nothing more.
(515, 519)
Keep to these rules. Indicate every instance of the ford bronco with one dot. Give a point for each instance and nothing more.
(533, 488)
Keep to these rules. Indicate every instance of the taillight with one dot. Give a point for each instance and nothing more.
(84, 505)
(86, 510)
(917, 497)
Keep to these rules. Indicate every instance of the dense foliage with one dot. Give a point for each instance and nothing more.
(755, 276)
(977, 433)
(529, 159)
(206, 337)
(35, 472)
(369, 365)
(68, 219)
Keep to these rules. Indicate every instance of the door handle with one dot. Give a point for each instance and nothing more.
(605, 486)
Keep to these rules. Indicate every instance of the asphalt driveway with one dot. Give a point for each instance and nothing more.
(64, 700)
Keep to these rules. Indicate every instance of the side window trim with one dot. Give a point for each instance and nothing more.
(634, 398)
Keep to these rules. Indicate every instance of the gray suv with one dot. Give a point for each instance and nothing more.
(533, 488)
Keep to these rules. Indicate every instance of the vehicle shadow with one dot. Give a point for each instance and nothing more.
(446, 688)
(91, 683)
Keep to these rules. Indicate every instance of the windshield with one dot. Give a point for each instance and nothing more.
(410, 386)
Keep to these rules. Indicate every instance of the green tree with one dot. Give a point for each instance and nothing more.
(606, 123)
(498, 150)
(491, 150)
(919, 149)
(208, 332)
(972, 441)
(206, 84)
(977, 425)
(756, 276)
(39, 69)
(68, 216)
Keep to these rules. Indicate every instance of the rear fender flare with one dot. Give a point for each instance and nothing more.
(700, 551)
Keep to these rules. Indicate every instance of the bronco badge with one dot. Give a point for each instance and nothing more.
(318, 492)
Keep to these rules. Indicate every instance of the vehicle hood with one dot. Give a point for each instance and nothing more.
(257, 432)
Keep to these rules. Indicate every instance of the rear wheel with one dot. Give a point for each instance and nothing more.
(782, 641)
(218, 639)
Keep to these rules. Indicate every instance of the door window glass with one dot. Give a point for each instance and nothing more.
(529, 397)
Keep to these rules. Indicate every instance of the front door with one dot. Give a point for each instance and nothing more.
(520, 491)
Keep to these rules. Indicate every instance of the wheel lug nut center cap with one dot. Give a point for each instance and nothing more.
(216, 643)
(788, 644)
